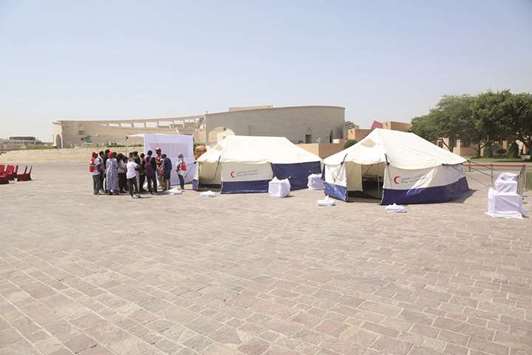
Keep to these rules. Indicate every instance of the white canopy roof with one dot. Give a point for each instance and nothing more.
(277, 150)
(402, 150)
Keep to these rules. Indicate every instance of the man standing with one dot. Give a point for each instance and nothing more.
(94, 169)
(142, 172)
(101, 155)
(131, 176)
(159, 167)
(167, 171)
(151, 170)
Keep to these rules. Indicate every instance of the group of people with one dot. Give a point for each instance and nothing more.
(114, 173)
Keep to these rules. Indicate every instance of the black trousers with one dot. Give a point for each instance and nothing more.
(102, 177)
(142, 178)
(152, 183)
(96, 183)
(132, 185)
(181, 181)
(122, 181)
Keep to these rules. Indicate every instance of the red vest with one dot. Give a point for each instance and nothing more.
(92, 165)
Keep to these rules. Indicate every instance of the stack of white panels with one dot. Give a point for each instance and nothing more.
(315, 182)
(279, 188)
(503, 200)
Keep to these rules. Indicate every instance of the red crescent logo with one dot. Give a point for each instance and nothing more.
(232, 173)
(397, 179)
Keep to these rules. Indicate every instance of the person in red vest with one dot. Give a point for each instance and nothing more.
(181, 170)
(95, 165)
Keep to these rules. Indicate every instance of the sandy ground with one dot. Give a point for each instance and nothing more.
(249, 274)
(78, 155)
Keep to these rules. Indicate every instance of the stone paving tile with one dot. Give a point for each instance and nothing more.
(234, 275)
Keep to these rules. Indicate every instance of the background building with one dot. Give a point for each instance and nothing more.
(360, 133)
(300, 124)
(21, 142)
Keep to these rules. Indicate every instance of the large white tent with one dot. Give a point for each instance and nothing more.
(247, 164)
(411, 169)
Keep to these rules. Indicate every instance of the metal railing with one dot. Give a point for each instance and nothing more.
(489, 170)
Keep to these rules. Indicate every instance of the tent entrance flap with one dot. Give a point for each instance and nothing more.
(210, 173)
(350, 179)
(365, 180)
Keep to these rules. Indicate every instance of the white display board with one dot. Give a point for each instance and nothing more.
(172, 145)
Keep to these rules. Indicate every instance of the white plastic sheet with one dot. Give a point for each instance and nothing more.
(394, 208)
(505, 204)
(315, 182)
(208, 194)
(506, 182)
(326, 202)
(279, 188)
(176, 191)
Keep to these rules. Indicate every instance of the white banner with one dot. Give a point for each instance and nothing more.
(403, 179)
(233, 172)
(172, 146)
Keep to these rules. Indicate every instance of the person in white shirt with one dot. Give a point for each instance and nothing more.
(131, 175)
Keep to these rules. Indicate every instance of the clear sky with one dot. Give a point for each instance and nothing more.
(384, 60)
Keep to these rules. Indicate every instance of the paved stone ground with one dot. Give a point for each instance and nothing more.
(254, 275)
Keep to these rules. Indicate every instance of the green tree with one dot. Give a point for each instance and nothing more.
(519, 120)
(483, 120)
(490, 116)
(451, 118)
(349, 143)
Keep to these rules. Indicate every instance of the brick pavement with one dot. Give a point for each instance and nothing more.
(247, 274)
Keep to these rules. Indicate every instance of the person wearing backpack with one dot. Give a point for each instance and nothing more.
(181, 170)
(95, 170)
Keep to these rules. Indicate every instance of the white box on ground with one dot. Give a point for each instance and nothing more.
(315, 182)
(505, 204)
(506, 182)
(279, 188)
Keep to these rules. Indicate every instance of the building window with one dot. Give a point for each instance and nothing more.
(308, 138)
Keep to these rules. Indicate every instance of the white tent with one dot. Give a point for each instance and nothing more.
(247, 164)
(411, 169)
(172, 145)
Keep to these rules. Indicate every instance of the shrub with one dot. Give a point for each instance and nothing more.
(349, 143)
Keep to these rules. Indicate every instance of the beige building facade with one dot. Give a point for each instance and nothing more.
(300, 124)
(360, 133)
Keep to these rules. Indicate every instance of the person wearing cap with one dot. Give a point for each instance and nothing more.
(181, 170)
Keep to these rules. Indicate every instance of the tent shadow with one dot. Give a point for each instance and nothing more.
(363, 200)
(464, 198)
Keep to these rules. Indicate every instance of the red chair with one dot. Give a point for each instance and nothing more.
(26, 175)
(4, 179)
(2, 169)
(10, 172)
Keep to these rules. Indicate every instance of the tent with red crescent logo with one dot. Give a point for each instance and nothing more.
(240, 164)
(408, 169)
